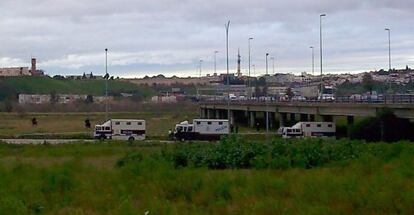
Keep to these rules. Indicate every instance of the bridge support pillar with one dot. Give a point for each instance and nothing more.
(312, 118)
(350, 121)
(282, 119)
(231, 117)
(292, 117)
(209, 114)
(304, 117)
(203, 114)
(252, 119)
(272, 120)
(327, 118)
(217, 116)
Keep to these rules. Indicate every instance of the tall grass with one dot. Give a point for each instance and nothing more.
(121, 178)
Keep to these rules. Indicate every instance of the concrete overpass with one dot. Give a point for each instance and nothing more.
(247, 111)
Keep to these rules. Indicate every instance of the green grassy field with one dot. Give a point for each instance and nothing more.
(47, 85)
(122, 178)
(71, 125)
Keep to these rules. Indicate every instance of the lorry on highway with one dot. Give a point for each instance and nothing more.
(309, 129)
(327, 93)
(121, 129)
(201, 129)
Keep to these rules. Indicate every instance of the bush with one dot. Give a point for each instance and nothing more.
(129, 158)
(237, 153)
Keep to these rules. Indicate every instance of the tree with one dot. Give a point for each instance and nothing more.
(89, 99)
(106, 76)
(8, 106)
(53, 97)
(368, 82)
(289, 93)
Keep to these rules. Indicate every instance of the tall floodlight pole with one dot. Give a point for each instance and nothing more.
(313, 60)
(106, 83)
(228, 74)
(267, 69)
(215, 62)
(267, 112)
(201, 63)
(273, 64)
(248, 79)
(321, 48)
(389, 48)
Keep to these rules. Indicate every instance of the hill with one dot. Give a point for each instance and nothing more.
(12, 86)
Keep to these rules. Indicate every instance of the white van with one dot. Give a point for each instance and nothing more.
(201, 129)
(309, 129)
(121, 129)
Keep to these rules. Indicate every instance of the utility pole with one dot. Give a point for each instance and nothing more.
(215, 62)
(321, 48)
(201, 62)
(228, 74)
(106, 83)
(389, 48)
(313, 61)
(248, 79)
(266, 98)
(267, 71)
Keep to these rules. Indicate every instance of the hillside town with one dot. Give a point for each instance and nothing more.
(301, 87)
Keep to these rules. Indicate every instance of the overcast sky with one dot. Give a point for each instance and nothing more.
(170, 36)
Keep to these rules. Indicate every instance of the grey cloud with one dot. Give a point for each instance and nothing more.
(69, 36)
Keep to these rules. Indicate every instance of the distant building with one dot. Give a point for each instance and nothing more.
(60, 98)
(162, 80)
(164, 99)
(34, 98)
(21, 71)
(237, 90)
(70, 98)
(279, 78)
(14, 71)
(102, 99)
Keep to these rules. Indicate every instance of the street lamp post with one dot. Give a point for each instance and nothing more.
(389, 48)
(227, 63)
(321, 48)
(313, 60)
(267, 71)
(267, 112)
(273, 64)
(106, 83)
(201, 63)
(248, 79)
(215, 62)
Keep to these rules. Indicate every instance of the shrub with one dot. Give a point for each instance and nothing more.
(238, 153)
(133, 157)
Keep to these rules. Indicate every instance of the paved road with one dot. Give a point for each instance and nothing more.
(43, 141)
(62, 141)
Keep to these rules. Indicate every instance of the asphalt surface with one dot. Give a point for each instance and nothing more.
(43, 141)
(62, 141)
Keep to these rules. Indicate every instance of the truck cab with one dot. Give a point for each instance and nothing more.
(201, 129)
(183, 131)
(103, 131)
(121, 129)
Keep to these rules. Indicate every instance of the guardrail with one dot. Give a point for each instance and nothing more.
(389, 99)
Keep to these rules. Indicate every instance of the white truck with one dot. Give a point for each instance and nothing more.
(327, 93)
(309, 129)
(121, 129)
(201, 129)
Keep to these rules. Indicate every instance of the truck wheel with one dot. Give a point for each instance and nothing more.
(102, 138)
(130, 139)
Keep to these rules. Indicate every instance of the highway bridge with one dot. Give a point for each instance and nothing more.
(250, 111)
